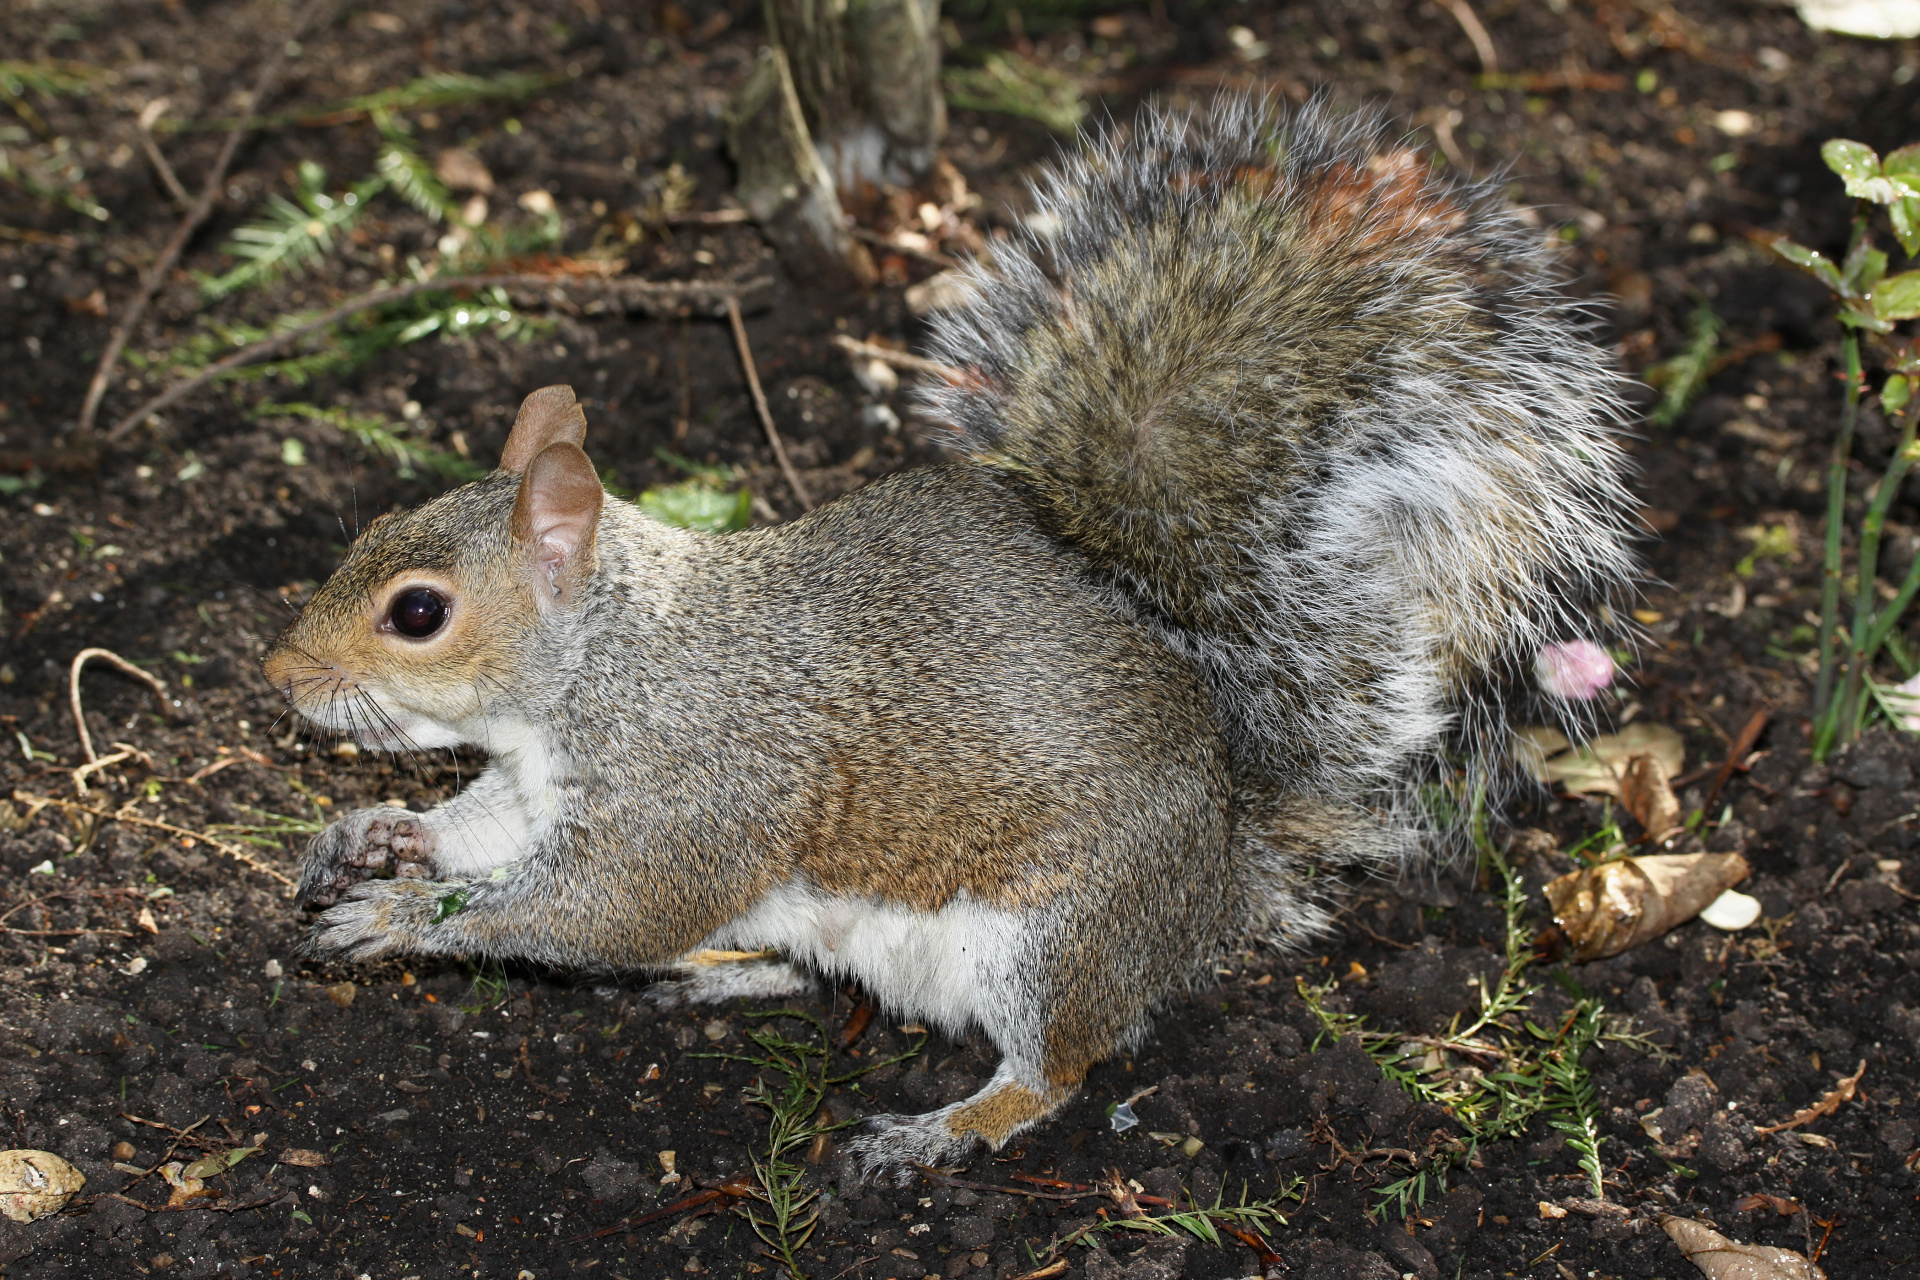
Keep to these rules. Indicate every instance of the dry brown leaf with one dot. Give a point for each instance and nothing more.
(34, 1184)
(302, 1158)
(1721, 1259)
(1599, 766)
(1604, 910)
(1830, 1103)
(1761, 1200)
(1648, 797)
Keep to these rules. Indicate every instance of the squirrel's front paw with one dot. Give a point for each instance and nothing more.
(366, 844)
(389, 917)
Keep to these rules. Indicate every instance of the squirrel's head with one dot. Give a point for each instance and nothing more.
(432, 610)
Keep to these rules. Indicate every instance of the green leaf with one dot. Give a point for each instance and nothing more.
(1904, 162)
(1863, 269)
(1812, 261)
(218, 1162)
(1905, 216)
(451, 904)
(1859, 167)
(1894, 395)
(695, 504)
(1898, 297)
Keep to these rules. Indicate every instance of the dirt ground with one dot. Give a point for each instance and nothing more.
(467, 1122)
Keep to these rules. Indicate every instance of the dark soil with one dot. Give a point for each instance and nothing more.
(474, 1129)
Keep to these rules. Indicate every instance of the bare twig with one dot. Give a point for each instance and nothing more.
(397, 293)
(1736, 752)
(112, 659)
(1482, 42)
(232, 851)
(163, 265)
(149, 114)
(760, 403)
(898, 359)
(127, 751)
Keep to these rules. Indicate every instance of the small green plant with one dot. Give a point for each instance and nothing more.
(486, 986)
(1012, 85)
(1871, 303)
(794, 1078)
(1499, 1072)
(705, 501)
(377, 436)
(293, 234)
(1682, 378)
(269, 830)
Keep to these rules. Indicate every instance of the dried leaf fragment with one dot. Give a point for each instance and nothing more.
(1721, 1259)
(302, 1158)
(1599, 766)
(1828, 1104)
(218, 1162)
(185, 1187)
(1604, 910)
(1648, 796)
(34, 1184)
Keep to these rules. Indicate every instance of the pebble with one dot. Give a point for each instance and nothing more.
(342, 993)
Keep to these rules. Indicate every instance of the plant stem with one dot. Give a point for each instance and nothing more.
(1824, 718)
(1865, 647)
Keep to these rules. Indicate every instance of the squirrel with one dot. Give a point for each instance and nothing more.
(1288, 473)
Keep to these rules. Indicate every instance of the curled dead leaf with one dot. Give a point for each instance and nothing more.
(34, 1184)
(1645, 792)
(1722, 1259)
(1604, 910)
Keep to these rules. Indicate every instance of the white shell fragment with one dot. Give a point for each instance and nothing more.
(34, 1184)
(1732, 911)
(1875, 19)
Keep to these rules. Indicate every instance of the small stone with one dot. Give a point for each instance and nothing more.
(34, 1184)
(1192, 1147)
(160, 1261)
(716, 1030)
(271, 969)
(123, 1151)
(342, 993)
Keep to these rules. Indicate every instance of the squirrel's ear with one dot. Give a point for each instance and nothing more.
(547, 416)
(555, 515)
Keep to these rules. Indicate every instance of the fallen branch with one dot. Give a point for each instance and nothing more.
(760, 404)
(691, 289)
(163, 265)
(35, 803)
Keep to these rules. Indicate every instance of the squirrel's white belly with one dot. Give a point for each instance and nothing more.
(946, 967)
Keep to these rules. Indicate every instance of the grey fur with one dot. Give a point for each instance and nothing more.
(1282, 471)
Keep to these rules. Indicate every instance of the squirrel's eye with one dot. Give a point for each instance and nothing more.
(419, 613)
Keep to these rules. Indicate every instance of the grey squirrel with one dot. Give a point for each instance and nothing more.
(1287, 466)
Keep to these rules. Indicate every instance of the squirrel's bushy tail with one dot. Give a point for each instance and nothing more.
(1326, 416)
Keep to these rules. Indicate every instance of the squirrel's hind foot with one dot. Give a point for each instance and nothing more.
(366, 844)
(893, 1144)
